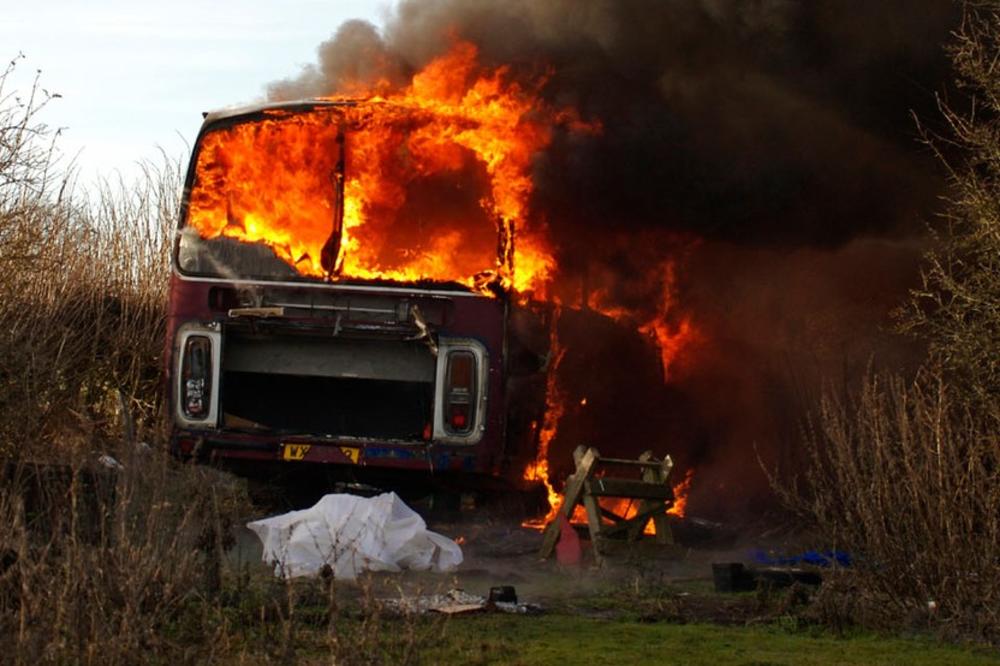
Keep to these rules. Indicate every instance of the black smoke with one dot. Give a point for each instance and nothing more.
(769, 145)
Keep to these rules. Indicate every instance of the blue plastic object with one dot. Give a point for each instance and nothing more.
(814, 557)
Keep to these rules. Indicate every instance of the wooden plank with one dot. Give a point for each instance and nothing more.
(611, 515)
(576, 482)
(624, 525)
(653, 491)
(549, 539)
(630, 463)
(594, 523)
(664, 535)
(627, 488)
(666, 466)
(637, 529)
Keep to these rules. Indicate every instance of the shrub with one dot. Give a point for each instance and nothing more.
(907, 479)
(82, 291)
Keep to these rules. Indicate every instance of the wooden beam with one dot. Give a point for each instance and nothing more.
(624, 525)
(594, 523)
(582, 487)
(664, 535)
(630, 463)
(628, 488)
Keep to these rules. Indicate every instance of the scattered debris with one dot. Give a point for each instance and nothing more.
(110, 462)
(736, 577)
(458, 602)
(345, 534)
(503, 594)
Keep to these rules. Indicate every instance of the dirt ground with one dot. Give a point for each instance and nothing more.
(643, 580)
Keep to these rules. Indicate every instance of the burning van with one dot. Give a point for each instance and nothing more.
(343, 290)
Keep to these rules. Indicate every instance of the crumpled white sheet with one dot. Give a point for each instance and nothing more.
(353, 534)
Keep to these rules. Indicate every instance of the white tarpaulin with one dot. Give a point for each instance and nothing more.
(353, 534)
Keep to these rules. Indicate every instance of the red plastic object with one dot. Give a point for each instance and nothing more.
(568, 550)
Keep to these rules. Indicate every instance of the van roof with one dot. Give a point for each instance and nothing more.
(295, 105)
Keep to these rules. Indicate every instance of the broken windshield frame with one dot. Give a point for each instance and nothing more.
(226, 256)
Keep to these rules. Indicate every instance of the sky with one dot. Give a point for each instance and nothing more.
(134, 76)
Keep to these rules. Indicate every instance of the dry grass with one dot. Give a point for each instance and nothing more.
(100, 565)
(127, 565)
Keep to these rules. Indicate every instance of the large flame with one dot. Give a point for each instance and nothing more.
(456, 131)
(555, 406)
(670, 333)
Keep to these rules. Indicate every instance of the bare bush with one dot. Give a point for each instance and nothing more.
(907, 479)
(82, 292)
(957, 309)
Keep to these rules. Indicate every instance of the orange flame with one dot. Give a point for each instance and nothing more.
(670, 333)
(429, 182)
(554, 407)
(627, 508)
(456, 125)
(681, 491)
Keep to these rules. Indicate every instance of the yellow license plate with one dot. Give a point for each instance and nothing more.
(294, 451)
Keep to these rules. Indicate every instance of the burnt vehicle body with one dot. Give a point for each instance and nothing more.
(392, 384)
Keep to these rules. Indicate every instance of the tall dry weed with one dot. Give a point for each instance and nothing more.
(105, 565)
(83, 281)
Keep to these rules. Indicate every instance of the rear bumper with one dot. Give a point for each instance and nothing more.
(416, 457)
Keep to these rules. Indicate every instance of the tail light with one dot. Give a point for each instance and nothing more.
(196, 377)
(460, 392)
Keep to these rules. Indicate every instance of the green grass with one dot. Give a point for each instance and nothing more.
(561, 640)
